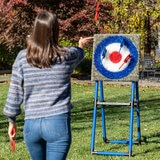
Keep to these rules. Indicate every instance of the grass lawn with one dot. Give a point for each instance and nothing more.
(117, 124)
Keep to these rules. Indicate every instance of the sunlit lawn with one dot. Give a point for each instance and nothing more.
(117, 124)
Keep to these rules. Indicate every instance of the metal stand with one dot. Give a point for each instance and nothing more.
(133, 103)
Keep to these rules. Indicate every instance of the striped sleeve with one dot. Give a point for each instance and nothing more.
(77, 54)
(15, 93)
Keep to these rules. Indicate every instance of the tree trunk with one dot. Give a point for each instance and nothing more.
(147, 47)
(159, 35)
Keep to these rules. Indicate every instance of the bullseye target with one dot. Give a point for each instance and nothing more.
(115, 57)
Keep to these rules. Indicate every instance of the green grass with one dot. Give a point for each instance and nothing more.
(117, 124)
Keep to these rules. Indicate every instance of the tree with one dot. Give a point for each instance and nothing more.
(76, 19)
(16, 19)
(138, 16)
(83, 24)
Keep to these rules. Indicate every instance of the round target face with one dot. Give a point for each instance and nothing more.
(115, 57)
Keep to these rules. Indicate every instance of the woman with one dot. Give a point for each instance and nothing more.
(41, 81)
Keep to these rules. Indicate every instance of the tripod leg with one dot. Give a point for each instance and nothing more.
(138, 114)
(94, 117)
(103, 112)
(131, 120)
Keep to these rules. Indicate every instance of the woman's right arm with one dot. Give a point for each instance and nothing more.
(83, 42)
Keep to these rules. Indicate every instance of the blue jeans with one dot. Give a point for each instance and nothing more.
(48, 138)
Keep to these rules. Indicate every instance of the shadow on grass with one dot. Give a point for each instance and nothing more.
(82, 115)
(149, 111)
(146, 140)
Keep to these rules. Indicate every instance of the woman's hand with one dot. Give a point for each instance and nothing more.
(83, 42)
(12, 131)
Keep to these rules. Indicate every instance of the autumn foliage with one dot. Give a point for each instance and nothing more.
(80, 18)
(76, 19)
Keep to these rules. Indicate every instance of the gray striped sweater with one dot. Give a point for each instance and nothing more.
(44, 92)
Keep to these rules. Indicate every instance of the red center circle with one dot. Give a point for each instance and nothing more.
(115, 57)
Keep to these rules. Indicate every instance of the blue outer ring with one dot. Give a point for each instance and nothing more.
(99, 51)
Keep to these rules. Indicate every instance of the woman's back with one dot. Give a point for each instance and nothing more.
(47, 91)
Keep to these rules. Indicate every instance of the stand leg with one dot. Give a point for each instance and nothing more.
(94, 117)
(103, 112)
(131, 120)
(138, 114)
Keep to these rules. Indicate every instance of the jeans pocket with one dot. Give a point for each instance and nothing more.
(57, 126)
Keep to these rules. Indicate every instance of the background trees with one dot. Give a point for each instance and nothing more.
(138, 16)
(77, 19)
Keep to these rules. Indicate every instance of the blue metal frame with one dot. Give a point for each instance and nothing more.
(134, 103)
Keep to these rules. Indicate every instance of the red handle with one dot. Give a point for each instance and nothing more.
(97, 11)
(125, 60)
(13, 142)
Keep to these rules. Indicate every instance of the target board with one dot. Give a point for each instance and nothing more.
(115, 57)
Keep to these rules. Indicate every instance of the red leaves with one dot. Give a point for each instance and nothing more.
(15, 22)
(76, 19)
(20, 1)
